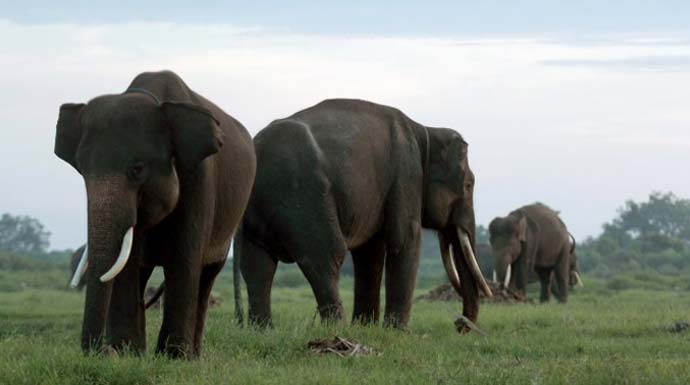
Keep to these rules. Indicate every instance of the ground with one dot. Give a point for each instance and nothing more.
(602, 336)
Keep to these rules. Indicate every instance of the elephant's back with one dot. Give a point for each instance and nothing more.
(338, 156)
(554, 234)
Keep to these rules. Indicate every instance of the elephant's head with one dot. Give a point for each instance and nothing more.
(130, 150)
(508, 237)
(449, 208)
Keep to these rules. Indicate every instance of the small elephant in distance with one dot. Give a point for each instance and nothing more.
(168, 175)
(534, 239)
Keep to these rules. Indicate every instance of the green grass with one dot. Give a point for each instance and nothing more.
(603, 336)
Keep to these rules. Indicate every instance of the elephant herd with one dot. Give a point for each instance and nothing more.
(170, 178)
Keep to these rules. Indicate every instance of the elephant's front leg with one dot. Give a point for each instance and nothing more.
(545, 281)
(368, 263)
(126, 324)
(176, 338)
(402, 262)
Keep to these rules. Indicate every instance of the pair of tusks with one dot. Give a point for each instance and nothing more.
(506, 281)
(120, 262)
(468, 253)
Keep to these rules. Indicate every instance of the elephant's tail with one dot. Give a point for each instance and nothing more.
(237, 276)
(154, 298)
(573, 244)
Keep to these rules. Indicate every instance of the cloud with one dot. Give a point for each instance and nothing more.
(655, 63)
(540, 126)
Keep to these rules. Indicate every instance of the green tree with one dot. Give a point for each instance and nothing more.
(653, 234)
(23, 235)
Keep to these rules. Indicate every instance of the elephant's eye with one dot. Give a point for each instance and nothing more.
(137, 170)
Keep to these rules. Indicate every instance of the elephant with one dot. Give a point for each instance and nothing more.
(534, 239)
(353, 175)
(168, 175)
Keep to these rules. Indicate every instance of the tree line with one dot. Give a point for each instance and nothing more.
(649, 235)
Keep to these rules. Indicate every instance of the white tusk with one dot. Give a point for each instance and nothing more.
(122, 258)
(81, 268)
(494, 276)
(506, 281)
(472, 262)
(578, 279)
(449, 265)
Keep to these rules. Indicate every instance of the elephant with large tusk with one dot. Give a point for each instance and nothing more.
(534, 239)
(168, 175)
(354, 175)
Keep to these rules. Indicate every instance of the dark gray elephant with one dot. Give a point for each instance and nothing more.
(354, 175)
(168, 175)
(533, 239)
(574, 281)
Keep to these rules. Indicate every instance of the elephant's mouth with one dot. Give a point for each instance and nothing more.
(115, 269)
(449, 254)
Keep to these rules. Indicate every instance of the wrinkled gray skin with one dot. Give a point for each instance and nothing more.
(353, 175)
(166, 161)
(534, 239)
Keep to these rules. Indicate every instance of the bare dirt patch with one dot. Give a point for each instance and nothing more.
(446, 293)
(341, 347)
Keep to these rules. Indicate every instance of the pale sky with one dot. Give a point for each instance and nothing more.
(578, 106)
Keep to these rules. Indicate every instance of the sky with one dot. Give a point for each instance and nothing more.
(581, 106)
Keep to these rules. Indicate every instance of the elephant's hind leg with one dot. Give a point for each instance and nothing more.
(368, 262)
(561, 275)
(258, 269)
(208, 277)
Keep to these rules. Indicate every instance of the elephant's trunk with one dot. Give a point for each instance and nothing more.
(457, 252)
(111, 217)
(503, 268)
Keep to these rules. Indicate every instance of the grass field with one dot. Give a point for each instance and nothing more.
(602, 336)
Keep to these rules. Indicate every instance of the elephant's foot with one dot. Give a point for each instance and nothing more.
(332, 313)
(261, 323)
(175, 347)
(395, 322)
(177, 351)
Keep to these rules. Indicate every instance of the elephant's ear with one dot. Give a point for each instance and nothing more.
(522, 229)
(531, 242)
(196, 133)
(68, 132)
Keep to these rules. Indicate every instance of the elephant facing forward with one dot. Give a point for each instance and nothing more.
(534, 239)
(354, 175)
(167, 177)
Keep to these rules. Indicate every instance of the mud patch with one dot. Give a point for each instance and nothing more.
(340, 347)
(446, 293)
